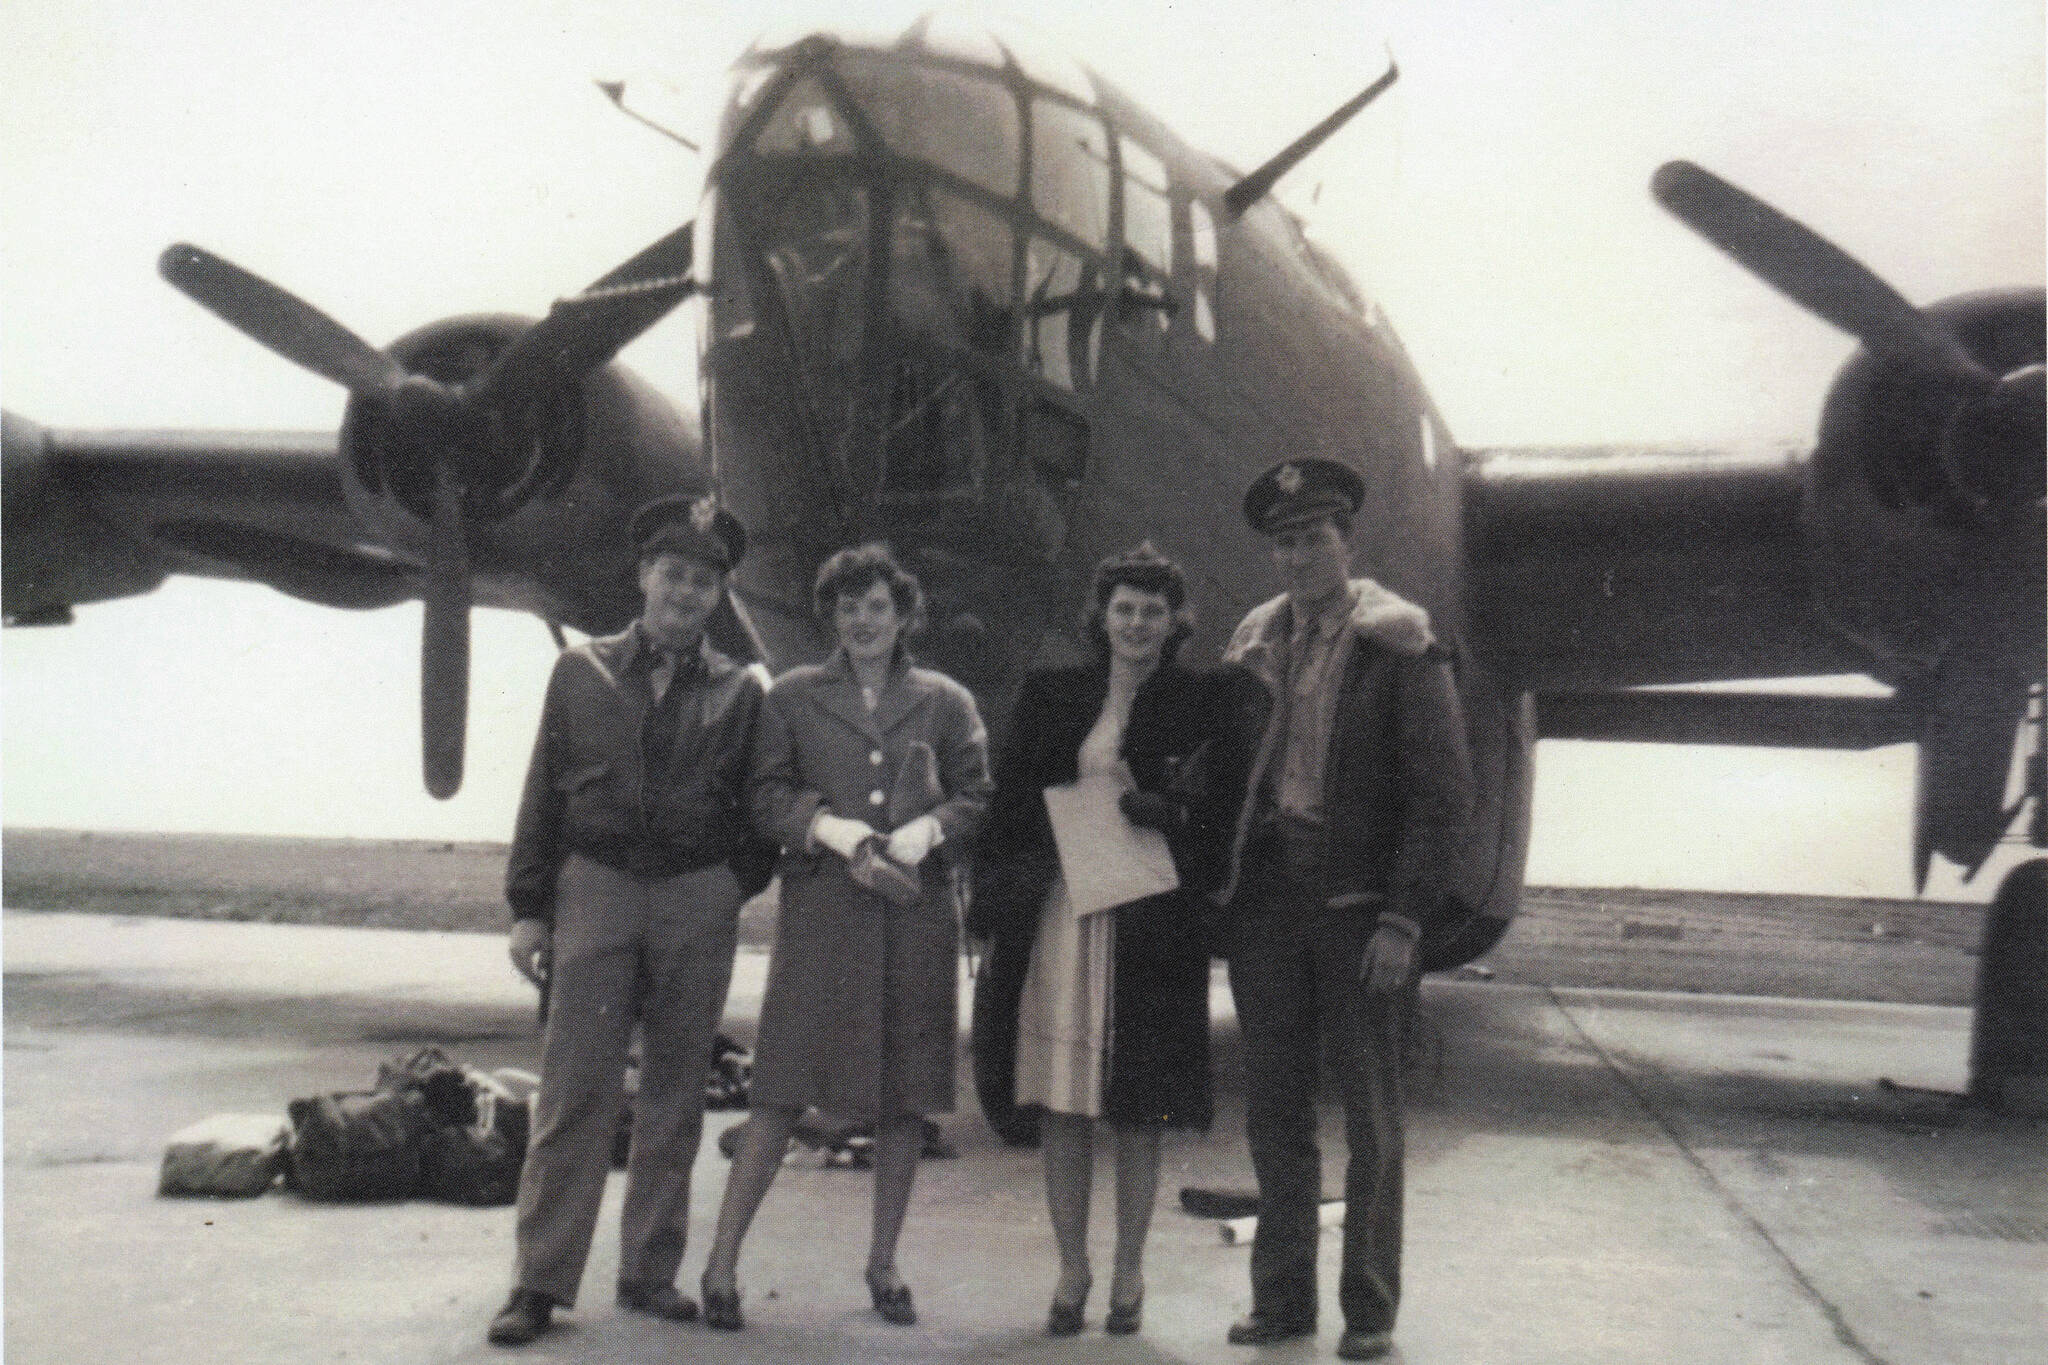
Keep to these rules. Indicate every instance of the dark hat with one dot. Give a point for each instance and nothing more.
(696, 527)
(1297, 491)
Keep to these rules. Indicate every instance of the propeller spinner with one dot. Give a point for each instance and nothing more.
(446, 430)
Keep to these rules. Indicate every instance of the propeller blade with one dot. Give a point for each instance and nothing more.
(582, 332)
(1810, 270)
(284, 322)
(444, 644)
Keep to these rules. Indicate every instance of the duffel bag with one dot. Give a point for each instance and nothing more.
(478, 1162)
(358, 1145)
(228, 1155)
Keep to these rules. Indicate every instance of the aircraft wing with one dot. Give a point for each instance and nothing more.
(1601, 567)
(93, 515)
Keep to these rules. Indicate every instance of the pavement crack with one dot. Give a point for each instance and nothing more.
(1733, 1202)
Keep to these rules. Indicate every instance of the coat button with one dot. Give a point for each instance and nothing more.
(876, 798)
(876, 758)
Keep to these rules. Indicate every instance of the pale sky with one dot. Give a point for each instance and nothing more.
(398, 162)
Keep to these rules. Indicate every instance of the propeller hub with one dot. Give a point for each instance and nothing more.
(1993, 448)
(503, 456)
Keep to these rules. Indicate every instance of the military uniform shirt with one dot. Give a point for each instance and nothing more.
(1313, 651)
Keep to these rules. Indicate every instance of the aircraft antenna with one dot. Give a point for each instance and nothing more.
(1260, 182)
(615, 91)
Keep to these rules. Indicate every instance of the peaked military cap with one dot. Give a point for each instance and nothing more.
(696, 527)
(1297, 491)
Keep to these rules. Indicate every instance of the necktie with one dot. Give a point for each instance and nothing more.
(658, 735)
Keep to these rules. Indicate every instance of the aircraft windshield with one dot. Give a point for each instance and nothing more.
(952, 271)
(959, 123)
(812, 234)
(938, 301)
(807, 121)
(1070, 170)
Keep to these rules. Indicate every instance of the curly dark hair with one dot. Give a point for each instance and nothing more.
(1145, 570)
(856, 569)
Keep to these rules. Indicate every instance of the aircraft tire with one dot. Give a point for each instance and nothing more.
(2009, 1033)
(993, 1026)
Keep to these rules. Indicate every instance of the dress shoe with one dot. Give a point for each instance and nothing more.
(1356, 1344)
(658, 1300)
(1263, 1329)
(525, 1316)
(1125, 1318)
(1064, 1317)
(721, 1307)
(892, 1301)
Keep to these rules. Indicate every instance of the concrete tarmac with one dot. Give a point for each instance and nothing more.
(1593, 1176)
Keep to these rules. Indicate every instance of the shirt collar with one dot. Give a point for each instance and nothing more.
(1331, 619)
(643, 653)
(839, 665)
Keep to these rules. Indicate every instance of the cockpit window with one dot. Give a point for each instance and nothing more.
(1148, 215)
(950, 281)
(1202, 236)
(1070, 171)
(956, 122)
(745, 84)
(805, 121)
(813, 236)
(1062, 314)
(1334, 276)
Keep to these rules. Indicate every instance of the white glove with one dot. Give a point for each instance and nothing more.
(841, 835)
(1389, 956)
(911, 844)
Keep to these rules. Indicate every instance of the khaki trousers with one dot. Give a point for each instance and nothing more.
(626, 950)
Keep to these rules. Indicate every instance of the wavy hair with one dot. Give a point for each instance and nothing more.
(1144, 569)
(856, 569)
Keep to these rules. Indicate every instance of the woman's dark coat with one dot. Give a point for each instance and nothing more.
(1191, 736)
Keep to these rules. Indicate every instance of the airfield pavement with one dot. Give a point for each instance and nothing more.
(1593, 1176)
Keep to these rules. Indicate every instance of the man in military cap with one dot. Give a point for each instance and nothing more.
(630, 859)
(1361, 783)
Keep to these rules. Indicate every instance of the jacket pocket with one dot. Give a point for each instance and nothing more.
(916, 788)
(579, 779)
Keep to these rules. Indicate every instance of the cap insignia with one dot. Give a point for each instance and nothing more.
(703, 513)
(1288, 479)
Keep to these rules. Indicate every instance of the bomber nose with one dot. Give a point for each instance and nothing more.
(898, 337)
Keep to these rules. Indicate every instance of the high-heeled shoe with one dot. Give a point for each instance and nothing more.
(721, 1307)
(1063, 1319)
(1125, 1318)
(892, 1301)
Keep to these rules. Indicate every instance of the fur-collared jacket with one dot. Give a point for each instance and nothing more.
(1397, 780)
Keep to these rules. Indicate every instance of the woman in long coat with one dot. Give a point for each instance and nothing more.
(1114, 1019)
(873, 775)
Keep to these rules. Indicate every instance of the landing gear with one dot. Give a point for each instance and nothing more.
(2009, 1039)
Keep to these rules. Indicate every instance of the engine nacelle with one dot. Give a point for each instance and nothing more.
(549, 484)
(1925, 506)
